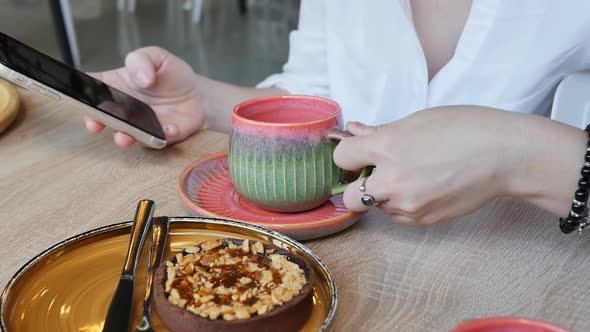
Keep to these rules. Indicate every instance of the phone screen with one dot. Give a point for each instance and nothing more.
(75, 84)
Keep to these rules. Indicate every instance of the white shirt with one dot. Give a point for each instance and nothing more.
(366, 56)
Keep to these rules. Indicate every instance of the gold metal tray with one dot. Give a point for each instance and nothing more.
(9, 103)
(69, 286)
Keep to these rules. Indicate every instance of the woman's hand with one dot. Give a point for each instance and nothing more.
(443, 163)
(164, 82)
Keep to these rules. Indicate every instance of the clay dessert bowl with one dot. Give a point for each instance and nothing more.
(234, 291)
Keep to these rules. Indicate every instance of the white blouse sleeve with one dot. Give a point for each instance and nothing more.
(306, 71)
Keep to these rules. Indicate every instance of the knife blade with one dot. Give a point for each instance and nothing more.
(120, 312)
(158, 246)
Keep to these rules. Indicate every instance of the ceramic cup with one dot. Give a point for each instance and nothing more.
(280, 154)
(508, 324)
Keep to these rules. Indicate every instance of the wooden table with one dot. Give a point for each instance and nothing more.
(57, 180)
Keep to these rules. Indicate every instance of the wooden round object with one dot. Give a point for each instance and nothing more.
(9, 103)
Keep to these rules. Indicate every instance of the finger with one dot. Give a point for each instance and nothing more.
(143, 65)
(407, 220)
(172, 132)
(360, 129)
(123, 140)
(354, 153)
(390, 207)
(403, 219)
(352, 194)
(93, 125)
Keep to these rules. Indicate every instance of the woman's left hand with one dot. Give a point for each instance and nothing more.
(434, 165)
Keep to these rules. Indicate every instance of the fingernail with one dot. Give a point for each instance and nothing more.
(170, 130)
(142, 79)
(354, 127)
(358, 124)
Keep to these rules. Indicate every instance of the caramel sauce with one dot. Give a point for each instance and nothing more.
(185, 289)
(236, 252)
(277, 278)
(228, 275)
(261, 260)
(256, 275)
(222, 299)
(250, 300)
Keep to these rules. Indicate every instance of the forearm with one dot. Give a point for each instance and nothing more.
(219, 99)
(547, 169)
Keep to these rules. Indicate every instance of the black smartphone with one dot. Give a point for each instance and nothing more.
(43, 74)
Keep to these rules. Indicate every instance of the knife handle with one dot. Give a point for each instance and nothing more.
(139, 230)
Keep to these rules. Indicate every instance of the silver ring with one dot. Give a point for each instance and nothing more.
(367, 200)
(362, 187)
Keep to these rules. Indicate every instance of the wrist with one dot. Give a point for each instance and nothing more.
(201, 91)
(519, 158)
(514, 158)
(547, 168)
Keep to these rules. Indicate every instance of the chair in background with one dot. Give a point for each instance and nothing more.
(65, 30)
(196, 6)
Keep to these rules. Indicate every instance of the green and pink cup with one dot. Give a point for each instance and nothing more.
(280, 154)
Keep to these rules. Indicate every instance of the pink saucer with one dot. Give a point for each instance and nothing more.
(206, 187)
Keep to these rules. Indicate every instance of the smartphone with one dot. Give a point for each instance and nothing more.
(41, 73)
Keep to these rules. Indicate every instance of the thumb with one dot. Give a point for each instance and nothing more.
(360, 129)
(354, 153)
(143, 65)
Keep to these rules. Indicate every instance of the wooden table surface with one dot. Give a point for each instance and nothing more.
(58, 180)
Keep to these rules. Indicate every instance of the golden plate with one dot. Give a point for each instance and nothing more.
(9, 102)
(69, 286)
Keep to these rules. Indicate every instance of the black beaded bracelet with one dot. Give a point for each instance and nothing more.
(576, 218)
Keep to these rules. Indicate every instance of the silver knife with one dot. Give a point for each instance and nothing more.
(120, 311)
(159, 236)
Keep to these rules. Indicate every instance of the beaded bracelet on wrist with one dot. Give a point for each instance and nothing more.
(577, 218)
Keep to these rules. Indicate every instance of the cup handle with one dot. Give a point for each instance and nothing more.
(338, 134)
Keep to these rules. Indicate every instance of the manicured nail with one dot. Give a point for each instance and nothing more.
(355, 127)
(170, 130)
(357, 124)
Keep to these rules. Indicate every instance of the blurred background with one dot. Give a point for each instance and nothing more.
(238, 41)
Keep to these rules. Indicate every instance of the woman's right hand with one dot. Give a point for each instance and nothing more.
(445, 162)
(164, 82)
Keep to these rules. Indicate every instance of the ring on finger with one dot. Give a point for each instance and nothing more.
(367, 200)
(362, 187)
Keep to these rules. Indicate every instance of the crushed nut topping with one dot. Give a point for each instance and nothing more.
(220, 279)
